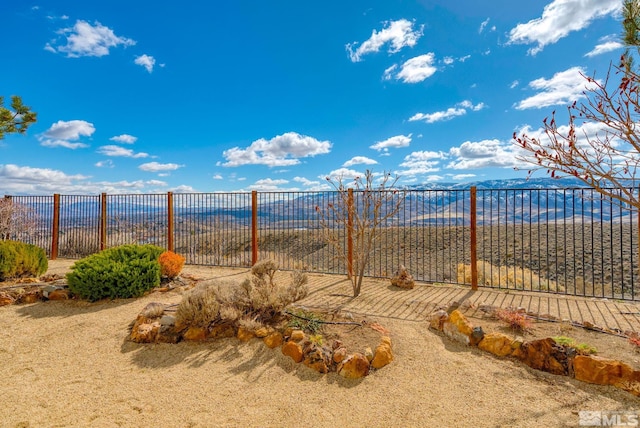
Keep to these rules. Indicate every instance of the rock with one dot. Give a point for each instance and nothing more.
(340, 354)
(461, 322)
(335, 344)
(294, 350)
(458, 328)
(144, 332)
(383, 354)
(262, 332)
(31, 296)
(438, 319)
(317, 358)
(48, 289)
(403, 279)
(297, 335)
(195, 334)
(168, 334)
(354, 366)
(59, 294)
(602, 371)
(496, 343)
(244, 334)
(477, 334)
(368, 352)
(546, 355)
(222, 330)
(6, 299)
(273, 340)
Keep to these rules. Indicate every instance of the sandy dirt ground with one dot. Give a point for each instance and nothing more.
(69, 364)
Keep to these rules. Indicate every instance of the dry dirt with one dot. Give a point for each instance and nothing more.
(70, 364)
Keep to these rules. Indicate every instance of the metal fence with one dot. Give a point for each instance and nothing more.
(570, 241)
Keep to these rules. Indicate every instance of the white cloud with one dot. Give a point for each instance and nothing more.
(464, 58)
(157, 167)
(146, 61)
(282, 150)
(462, 177)
(422, 162)
(607, 44)
(67, 134)
(158, 183)
(121, 152)
(484, 154)
(342, 174)
(514, 84)
(124, 138)
(483, 25)
(414, 70)
(559, 18)
(311, 184)
(459, 109)
(84, 39)
(394, 142)
(564, 87)
(359, 160)
(217, 177)
(183, 188)
(397, 34)
(268, 184)
(105, 164)
(448, 60)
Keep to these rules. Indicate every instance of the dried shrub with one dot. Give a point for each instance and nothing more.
(18, 222)
(507, 276)
(514, 319)
(252, 303)
(79, 243)
(170, 264)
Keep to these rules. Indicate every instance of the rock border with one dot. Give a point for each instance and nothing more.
(156, 323)
(541, 354)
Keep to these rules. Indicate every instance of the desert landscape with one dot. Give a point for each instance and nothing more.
(70, 363)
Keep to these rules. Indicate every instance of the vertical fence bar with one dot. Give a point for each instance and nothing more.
(103, 221)
(254, 227)
(170, 244)
(474, 236)
(55, 227)
(350, 214)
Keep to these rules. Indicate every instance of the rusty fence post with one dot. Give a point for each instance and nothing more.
(170, 243)
(350, 214)
(254, 227)
(474, 238)
(55, 226)
(103, 221)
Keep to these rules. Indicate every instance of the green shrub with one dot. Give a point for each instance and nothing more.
(119, 272)
(18, 259)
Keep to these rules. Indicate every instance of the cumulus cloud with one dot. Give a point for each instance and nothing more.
(84, 39)
(66, 134)
(217, 177)
(607, 44)
(146, 61)
(421, 162)
(563, 88)
(397, 34)
(124, 138)
(559, 18)
(343, 174)
(414, 70)
(282, 150)
(483, 25)
(394, 142)
(484, 154)
(359, 160)
(268, 184)
(158, 167)
(105, 164)
(118, 151)
(459, 109)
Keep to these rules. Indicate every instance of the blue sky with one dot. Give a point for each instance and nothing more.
(148, 97)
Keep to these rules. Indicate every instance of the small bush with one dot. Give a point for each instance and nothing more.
(254, 302)
(516, 320)
(170, 264)
(307, 321)
(581, 348)
(118, 272)
(18, 259)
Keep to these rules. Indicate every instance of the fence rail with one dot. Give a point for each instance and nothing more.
(570, 241)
